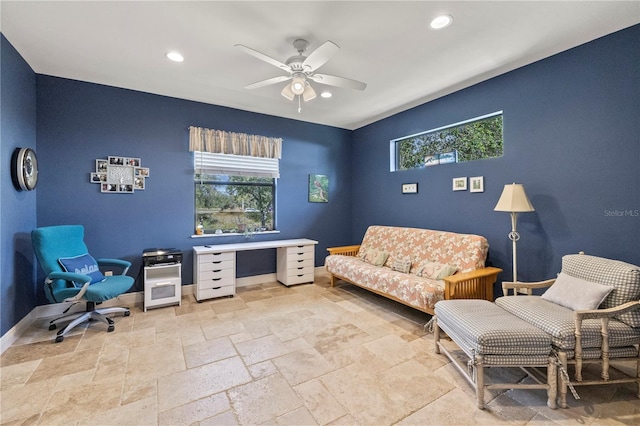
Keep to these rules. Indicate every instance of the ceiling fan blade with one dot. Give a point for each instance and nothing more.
(320, 56)
(268, 81)
(333, 80)
(263, 57)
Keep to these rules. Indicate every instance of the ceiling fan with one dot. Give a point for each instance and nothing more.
(301, 70)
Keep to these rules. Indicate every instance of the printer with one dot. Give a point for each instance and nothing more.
(161, 256)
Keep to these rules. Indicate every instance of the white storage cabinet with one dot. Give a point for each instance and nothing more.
(296, 264)
(215, 274)
(162, 285)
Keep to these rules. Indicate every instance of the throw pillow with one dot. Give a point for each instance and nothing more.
(435, 271)
(376, 257)
(575, 293)
(402, 265)
(83, 264)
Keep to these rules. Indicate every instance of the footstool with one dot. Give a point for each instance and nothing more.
(492, 337)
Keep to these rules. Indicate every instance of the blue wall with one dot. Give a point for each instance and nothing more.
(18, 130)
(571, 136)
(79, 122)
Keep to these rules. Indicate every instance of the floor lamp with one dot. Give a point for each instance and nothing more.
(514, 200)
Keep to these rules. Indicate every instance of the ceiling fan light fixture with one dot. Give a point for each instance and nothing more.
(298, 85)
(308, 94)
(326, 94)
(287, 93)
(440, 22)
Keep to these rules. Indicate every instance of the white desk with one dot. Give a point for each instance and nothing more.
(214, 266)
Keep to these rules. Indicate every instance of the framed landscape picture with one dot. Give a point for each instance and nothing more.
(318, 189)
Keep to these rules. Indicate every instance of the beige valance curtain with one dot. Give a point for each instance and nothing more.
(221, 142)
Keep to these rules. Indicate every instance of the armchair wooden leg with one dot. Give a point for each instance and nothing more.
(562, 383)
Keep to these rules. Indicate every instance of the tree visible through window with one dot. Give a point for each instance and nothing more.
(470, 140)
(234, 204)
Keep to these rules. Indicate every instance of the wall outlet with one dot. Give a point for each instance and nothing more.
(108, 273)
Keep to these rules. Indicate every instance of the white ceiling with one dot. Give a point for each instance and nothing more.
(386, 44)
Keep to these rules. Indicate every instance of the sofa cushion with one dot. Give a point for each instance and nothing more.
(465, 251)
(420, 292)
(575, 293)
(623, 277)
(402, 265)
(433, 270)
(375, 257)
(559, 322)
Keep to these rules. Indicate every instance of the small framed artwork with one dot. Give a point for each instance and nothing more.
(138, 182)
(98, 177)
(132, 162)
(116, 161)
(109, 187)
(318, 189)
(476, 184)
(142, 171)
(101, 166)
(125, 188)
(409, 188)
(460, 184)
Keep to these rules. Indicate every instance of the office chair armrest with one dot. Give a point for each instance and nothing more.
(74, 278)
(124, 264)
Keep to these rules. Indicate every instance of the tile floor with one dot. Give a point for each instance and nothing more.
(304, 355)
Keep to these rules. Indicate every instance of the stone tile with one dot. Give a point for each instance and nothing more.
(142, 412)
(208, 351)
(196, 383)
(196, 411)
(261, 349)
(22, 402)
(263, 400)
(303, 365)
(38, 350)
(262, 369)
(67, 363)
(320, 402)
(224, 419)
(153, 361)
(17, 374)
(297, 417)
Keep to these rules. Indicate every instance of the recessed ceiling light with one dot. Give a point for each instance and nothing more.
(441, 21)
(175, 56)
(326, 94)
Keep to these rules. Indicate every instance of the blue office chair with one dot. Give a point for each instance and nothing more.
(74, 276)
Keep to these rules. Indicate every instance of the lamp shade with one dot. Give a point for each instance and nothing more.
(514, 199)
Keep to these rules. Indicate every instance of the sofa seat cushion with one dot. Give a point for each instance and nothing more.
(416, 291)
(559, 322)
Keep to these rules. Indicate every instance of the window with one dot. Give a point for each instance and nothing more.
(473, 139)
(234, 194)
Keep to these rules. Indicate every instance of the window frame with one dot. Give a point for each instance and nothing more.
(394, 144)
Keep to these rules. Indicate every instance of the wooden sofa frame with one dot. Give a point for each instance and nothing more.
(476, 284)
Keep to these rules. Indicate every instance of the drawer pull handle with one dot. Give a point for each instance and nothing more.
(216, 279)
(217, 254)
(217, 261)
(300, 254)
(163, 284)
(216, 288)
(301, 260)
(217, 270)
(301, 267)
(301, 275)
(300, 246)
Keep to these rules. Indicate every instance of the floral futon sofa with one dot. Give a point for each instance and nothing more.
(416, 267)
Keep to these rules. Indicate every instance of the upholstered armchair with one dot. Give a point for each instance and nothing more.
(73, 276)
(592, 312)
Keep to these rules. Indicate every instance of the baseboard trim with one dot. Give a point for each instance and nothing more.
(127, 299)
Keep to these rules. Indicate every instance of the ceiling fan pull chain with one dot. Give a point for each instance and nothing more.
(299, 107)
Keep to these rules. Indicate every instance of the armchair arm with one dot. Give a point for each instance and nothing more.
(344, 250)
(517, 286)
(604, 315)
(124, 264)
(74, 278)
(476, 284)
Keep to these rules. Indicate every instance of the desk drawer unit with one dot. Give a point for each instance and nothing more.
(215, 275)
(296, 264)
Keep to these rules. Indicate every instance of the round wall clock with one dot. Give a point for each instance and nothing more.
(24, 169)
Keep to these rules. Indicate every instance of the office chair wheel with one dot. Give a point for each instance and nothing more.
(127, 313)
(52, 326)
(111, 328)
(59, 339)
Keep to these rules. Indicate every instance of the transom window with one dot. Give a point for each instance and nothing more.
(469, 140)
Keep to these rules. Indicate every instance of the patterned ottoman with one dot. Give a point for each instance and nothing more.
(492, 337)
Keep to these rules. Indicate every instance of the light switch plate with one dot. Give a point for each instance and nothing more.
(409, 188)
